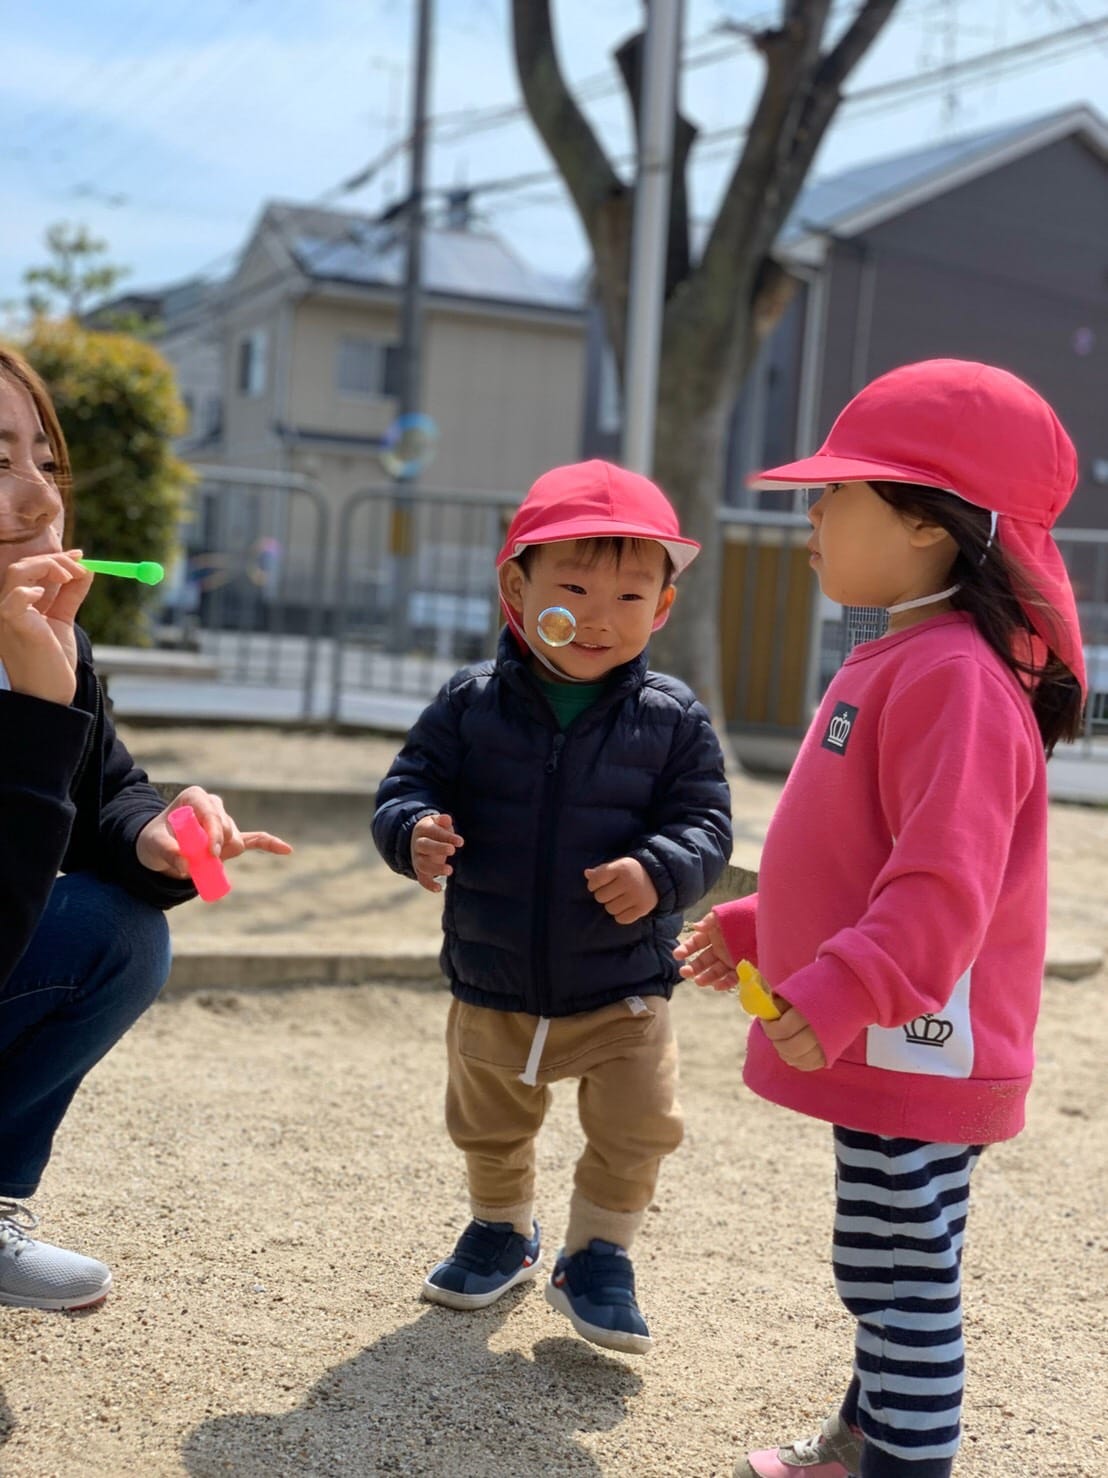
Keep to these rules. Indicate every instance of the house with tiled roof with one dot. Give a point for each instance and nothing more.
(296, 354)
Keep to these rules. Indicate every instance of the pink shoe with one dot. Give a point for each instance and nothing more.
(835, 1453)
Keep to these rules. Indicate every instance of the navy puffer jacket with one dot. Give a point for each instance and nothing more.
(639, 774)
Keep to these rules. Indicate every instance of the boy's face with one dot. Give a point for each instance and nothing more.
(615, 605)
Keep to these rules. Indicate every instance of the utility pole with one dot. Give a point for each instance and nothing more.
(401, 541)
(650, 231)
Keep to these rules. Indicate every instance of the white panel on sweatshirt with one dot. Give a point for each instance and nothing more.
(939, 1044)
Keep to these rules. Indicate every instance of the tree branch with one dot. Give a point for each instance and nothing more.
(825, 94)
(601, 198)
(800, 95)
(855, 41)
(629, 58)
(791, 54)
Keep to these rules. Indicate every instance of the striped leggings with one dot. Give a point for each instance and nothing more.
(900, 1221)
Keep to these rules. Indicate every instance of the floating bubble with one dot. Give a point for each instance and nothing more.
(409, 446)
(1084, 341)
(557, 626)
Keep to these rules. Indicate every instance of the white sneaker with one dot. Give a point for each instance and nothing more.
(36, 1275)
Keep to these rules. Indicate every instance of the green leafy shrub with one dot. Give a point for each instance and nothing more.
(118, 405)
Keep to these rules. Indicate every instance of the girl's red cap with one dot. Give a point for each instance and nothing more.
(977, 431)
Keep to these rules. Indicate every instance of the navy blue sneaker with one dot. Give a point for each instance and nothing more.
(490, 1258)
(595, 1290)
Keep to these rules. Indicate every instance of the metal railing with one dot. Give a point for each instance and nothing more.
(415, 589)
(1085, 552)
(265, 590)
(249, 587)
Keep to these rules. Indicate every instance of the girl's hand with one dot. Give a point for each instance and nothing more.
(707, 959)
(623, 888)
(39, 600)
(795, 1041)
(157, 848)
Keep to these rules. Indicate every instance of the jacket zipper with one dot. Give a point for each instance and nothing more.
(544, 870)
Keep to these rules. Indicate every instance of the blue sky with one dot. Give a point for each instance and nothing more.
(166, 126)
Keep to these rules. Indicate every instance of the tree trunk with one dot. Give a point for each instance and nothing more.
(689, 459)
(718, 309)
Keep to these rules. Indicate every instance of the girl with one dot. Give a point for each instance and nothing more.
(901, 911)
(81, 956)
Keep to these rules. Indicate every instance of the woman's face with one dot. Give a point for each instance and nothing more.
(32, 515)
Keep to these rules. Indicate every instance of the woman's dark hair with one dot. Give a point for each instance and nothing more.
(991, 585)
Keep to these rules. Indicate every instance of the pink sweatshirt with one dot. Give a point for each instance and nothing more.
(901, 902)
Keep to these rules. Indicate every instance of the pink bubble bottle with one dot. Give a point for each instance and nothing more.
(206, 869)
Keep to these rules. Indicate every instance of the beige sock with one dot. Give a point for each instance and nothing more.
(587, 1220)
(521, 1215)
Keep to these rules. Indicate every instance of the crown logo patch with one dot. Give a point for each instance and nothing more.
(840, 728)
(929, 1031)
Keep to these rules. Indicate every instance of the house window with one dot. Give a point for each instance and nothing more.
(253, 351)
(367, 367)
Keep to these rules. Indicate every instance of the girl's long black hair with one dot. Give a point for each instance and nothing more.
(990, 584)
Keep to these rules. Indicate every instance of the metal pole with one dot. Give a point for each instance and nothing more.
(401, 540)
(650, 231)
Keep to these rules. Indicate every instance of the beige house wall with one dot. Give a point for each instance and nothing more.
(257, 304)
(507, 395)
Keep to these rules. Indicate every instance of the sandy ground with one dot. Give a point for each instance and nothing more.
(268, 1176)
(335, 891)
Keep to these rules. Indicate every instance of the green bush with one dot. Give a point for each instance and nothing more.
(118, 405)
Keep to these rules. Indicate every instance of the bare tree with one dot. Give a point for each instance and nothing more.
(719, 306)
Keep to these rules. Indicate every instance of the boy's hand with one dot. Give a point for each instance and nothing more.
(707, 959)
(434, 841)
(157, 848)
(795, 1041)
(39, 599)
(624, 888)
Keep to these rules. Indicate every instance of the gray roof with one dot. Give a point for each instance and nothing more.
(459, 263)
(895, 183)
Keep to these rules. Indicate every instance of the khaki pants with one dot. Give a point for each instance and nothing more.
(625, 1060)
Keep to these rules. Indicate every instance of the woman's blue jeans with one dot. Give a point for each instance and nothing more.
(98, 958)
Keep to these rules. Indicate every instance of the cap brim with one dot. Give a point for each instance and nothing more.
(682, 552)
(817, 471)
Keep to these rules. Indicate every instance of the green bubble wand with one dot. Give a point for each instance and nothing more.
(147, 571)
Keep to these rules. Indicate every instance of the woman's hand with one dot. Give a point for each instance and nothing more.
(39, 600)
(157, 847)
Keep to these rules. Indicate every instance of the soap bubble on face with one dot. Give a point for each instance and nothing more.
(556, 626)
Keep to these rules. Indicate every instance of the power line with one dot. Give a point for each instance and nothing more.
(874, 99)
(213, 77)
(994, 62)
(110, 79)
(1061, 8)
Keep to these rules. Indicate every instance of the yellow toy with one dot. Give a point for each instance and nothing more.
(754, 993)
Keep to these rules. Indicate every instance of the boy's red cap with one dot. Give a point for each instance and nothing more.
(595, 500)
(976, 431)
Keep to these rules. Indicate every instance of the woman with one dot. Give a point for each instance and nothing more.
(88, 861)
